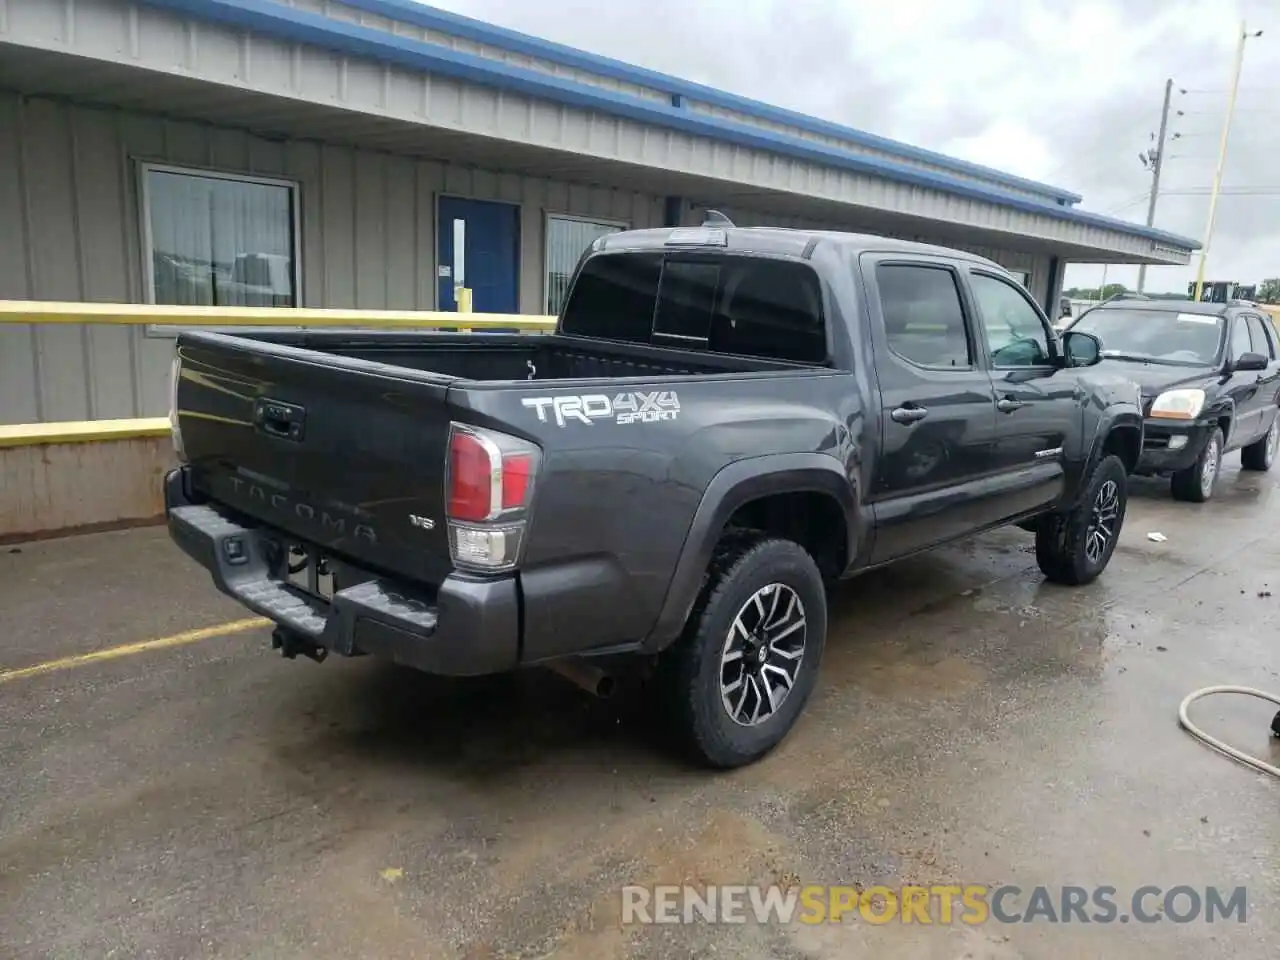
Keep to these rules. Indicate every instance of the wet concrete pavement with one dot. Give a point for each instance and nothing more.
(973, 725)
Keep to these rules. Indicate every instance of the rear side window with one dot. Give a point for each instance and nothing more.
(1269, 325)
(749, 306)
(923, 317)
(1261, 338)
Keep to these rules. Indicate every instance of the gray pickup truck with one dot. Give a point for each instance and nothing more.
(725, 422)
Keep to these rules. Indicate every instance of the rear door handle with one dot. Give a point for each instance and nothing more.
(909, 415)
(1008, 404)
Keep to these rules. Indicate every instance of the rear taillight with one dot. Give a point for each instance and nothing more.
(488, 488)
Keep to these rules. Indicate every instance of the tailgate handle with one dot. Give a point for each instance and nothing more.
(288, 421)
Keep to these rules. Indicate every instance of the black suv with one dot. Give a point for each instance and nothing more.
(1210, 376)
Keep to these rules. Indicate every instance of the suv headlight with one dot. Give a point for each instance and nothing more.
(1178, 404)
(175, 428)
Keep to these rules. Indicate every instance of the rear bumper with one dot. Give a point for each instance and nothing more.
(1172, 445)
(466, 627)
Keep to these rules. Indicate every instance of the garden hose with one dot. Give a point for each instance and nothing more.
(1191, 728)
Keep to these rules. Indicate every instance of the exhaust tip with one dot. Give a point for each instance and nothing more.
(585, 676)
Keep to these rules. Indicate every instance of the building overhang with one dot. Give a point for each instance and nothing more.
(281, 72)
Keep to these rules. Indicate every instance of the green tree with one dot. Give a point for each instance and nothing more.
(1269, 290)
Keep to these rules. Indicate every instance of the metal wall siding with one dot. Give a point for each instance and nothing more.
(69, 191)
(171, 44)
(17, 347)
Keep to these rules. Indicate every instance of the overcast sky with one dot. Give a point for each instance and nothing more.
(1064, 91)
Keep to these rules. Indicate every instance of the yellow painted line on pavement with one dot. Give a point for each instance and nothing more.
(129, 649)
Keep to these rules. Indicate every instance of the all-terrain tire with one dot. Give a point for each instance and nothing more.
(1195, 483)
(1066, 549)
(1260, 454)
(694, 675)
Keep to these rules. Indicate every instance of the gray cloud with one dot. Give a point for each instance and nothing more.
(1056, 90)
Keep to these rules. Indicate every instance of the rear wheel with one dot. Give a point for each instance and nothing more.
(743, 670)
(1074, 547)
(1195, 483)
(1260, 454)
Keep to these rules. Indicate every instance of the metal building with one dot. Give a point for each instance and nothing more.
(361, 153)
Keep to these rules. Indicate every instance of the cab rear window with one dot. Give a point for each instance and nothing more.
(748, 306)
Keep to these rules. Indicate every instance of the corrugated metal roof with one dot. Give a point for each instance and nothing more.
(299, 26)
(444, 21)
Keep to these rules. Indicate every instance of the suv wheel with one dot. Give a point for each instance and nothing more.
(1260, 454)
(747, 662)
(1195, 483)
(1074, 547)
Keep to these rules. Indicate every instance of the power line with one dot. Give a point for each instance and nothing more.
(1141, 198)
(1223, 90)
(1218, 113)
(1243, 192)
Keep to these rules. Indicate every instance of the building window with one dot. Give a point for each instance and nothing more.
(220, 240)
(567, 239)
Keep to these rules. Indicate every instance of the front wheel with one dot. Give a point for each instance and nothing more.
(1195, 483)
(1260, 454)
(1074, 547)
(748, 660)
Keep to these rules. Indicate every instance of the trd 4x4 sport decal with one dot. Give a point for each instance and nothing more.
(623, 408)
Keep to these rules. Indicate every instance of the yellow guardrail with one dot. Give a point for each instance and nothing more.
(162, 315)
(145, 314)
(81, 431)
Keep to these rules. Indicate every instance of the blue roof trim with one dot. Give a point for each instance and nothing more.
(300, 26)
(445, 21)
(468, 28)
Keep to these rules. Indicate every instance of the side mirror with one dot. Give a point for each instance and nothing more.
(1081, 349)
(1250, 361)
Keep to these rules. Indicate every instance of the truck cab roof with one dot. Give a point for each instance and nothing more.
(772, 241)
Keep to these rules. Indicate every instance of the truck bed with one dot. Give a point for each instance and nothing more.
(338, 437)
(514, 357)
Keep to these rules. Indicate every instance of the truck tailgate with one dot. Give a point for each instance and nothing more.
(340, 453)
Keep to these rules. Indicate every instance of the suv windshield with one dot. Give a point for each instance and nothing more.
(1155, 336)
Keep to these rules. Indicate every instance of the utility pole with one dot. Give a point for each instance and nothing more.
(1157, 164)
(1222, 154)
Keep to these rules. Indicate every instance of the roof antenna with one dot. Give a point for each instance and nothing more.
(714, 218)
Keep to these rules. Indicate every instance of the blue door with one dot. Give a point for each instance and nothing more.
(491, 254)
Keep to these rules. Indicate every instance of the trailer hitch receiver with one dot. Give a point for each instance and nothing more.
(291, 644)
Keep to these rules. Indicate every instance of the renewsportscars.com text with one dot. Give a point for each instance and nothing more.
(939, 904)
